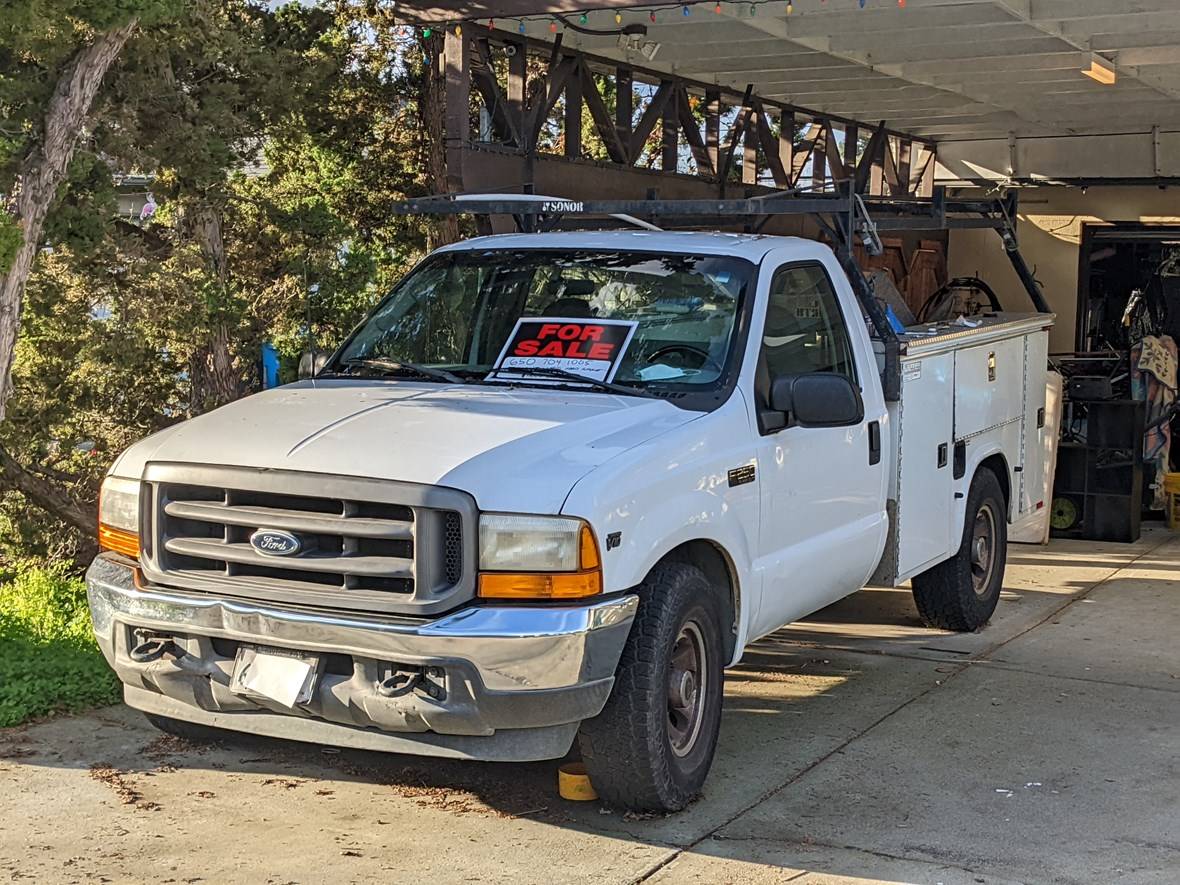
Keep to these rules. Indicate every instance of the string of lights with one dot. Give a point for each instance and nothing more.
(620, 16)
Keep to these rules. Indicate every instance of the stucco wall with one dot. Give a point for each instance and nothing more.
(1050, 232)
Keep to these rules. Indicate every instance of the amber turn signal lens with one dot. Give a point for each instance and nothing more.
(118, 540)
(588, 550)
(572, 585)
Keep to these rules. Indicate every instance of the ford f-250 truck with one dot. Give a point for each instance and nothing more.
(549, 490)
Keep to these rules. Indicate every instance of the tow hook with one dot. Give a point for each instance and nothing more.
(150, 646)
(403, 680)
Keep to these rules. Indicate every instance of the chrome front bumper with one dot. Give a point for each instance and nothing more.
(515, 681)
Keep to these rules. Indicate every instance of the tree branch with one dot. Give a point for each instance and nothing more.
(43, 170)
(46, 495)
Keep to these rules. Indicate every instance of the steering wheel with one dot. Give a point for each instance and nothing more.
(699, 352)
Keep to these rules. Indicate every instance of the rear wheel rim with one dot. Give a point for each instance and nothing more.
(687, 688)
(983, 549)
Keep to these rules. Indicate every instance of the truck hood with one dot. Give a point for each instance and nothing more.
(512, 448)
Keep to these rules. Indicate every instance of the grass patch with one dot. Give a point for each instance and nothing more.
(49, 661)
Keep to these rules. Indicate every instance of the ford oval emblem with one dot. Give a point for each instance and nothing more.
(275, 542)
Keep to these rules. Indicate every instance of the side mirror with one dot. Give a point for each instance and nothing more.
(310, 363)
(819, 399)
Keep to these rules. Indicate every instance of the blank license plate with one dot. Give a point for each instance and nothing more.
(282, 676)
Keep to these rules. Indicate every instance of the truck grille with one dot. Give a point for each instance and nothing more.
(361, 544)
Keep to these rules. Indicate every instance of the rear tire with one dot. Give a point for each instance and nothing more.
(651, 747)
(961, 593)
(189, 731)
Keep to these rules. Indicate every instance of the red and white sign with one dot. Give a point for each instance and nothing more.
(590, 348)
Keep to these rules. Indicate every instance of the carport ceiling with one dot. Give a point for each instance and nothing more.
(946, 69)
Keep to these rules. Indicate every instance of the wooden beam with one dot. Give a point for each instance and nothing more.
(573, 113)
(457, 117)
(692, 132)
(786, 144)
(904, 156)
(713, 127)
(739, 128)
(889, 170)
(835, 162)
(750, 150)
(517, 78)
(552, 87)
(670, 133)
(653, 112)
(483, 76)
(868, 160)
(819, 158)
(800, 158)
(624, 109)
(770, 147)
(923, 175)
(607, 129)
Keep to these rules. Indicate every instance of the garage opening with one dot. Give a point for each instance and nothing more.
(1120, 414)
(1129, 285)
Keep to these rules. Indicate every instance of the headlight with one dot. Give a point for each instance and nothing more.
(118, 516)
(537, 557)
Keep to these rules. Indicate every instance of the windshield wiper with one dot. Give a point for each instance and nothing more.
(563, 375)
(396, 366)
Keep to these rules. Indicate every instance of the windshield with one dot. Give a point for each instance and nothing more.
(456, 311)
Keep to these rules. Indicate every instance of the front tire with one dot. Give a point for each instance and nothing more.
(962, 592)
(651, 747)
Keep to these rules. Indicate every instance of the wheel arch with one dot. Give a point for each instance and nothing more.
(993, 458)
(998, 464)
(718, 567)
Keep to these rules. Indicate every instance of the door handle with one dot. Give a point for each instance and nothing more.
(874, 442)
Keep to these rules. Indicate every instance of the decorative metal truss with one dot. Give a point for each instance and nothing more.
(513, 96)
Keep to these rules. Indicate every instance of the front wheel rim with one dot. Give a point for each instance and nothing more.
(983, 549)
(687, 688)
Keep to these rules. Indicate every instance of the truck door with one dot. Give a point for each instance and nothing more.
(822, 489)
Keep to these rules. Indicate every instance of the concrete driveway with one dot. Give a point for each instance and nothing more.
(857, 747)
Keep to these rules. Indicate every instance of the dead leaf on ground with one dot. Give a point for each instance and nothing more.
(124, 788)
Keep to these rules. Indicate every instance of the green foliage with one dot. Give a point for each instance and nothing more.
(10, 240)
(48, 657)
(85, 205)
(38, 38)
(290, 129)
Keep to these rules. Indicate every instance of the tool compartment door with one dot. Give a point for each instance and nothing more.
(925, 492)
(989, 386)
(1033, 441)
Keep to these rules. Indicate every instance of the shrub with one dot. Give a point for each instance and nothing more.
(49, 661)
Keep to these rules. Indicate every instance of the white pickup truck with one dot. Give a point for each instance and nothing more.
(481, 536)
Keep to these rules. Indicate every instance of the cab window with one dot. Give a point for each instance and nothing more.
(805, 330)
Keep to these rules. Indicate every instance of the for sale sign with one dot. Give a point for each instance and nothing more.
(590, 348)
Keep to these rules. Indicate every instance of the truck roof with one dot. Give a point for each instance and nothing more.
(752, 247)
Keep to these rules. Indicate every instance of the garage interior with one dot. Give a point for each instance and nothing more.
(1074, 105)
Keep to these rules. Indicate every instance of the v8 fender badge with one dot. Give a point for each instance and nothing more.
(275, 542)
(613, 540)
